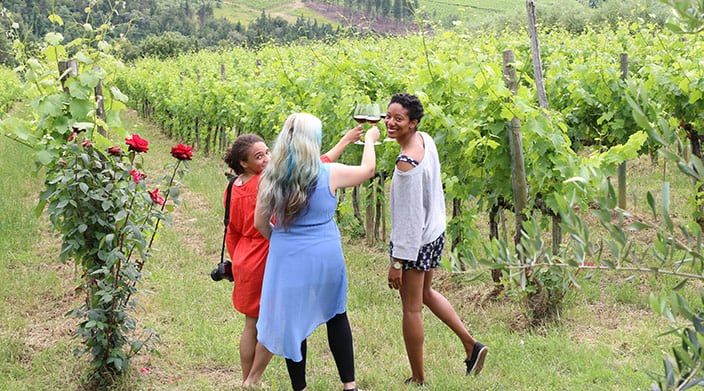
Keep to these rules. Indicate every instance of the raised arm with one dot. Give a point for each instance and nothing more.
(351, 136)
(342, 175)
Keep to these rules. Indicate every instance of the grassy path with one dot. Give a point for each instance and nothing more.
(35, 289)
(607, 340)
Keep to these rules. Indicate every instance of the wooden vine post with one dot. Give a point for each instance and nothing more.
(542, 100)
(494, 234)
(622, 166)
(380, 220)
(535, 52)
(197, 122)
(456, 212)
(67, 68)
(518, 170)
(369, 214)
(100, 103)
(207, 125)
(223, 129)
(355, 204)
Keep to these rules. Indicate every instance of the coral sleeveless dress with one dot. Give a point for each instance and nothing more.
(305, 282)
(247, 248)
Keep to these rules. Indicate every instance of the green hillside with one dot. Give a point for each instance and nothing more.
(246, 11)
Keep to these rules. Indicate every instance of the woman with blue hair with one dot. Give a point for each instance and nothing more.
(305, 281)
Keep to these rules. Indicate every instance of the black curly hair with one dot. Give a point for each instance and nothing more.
(238, 151)
(411, 103)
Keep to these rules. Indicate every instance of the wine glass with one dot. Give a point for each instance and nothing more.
(359, 113)
(367, 113)
(373, 113)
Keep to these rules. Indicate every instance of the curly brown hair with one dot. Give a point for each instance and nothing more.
(238, 151)
(410, 103)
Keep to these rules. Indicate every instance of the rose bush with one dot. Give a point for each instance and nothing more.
(101, 205)
(95, 193)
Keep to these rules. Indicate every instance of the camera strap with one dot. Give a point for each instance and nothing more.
(226, 220)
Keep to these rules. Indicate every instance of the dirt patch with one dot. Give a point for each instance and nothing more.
(166, 372)
(187, 227)
(591, 323)
(608, 323)
(359, 20)
(49, 320)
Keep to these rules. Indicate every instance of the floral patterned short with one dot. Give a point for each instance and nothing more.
(428, 256)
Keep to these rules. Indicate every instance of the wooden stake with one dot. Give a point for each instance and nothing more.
(535, 52)
(622, 167)
(518, 170)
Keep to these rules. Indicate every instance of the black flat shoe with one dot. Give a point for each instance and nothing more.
(476, 361)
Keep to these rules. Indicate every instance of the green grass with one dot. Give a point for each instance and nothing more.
(33, 341)
(607, 339)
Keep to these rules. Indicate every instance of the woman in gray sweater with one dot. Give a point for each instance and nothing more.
(418, 235)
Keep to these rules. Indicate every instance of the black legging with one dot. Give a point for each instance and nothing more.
(340, 341)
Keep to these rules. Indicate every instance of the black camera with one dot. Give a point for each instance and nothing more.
(224, 270)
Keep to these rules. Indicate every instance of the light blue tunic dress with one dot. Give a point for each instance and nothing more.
(305, 281)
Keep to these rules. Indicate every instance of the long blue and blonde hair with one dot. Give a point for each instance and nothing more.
(293, 171)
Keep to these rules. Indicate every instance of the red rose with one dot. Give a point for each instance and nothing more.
(137, 176)
(156, 198)
(182, 152)
(115, 151)
(137, 143)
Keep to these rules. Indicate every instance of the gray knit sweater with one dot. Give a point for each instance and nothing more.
(417, 204)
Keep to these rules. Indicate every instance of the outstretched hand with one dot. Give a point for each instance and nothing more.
(353, 134)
